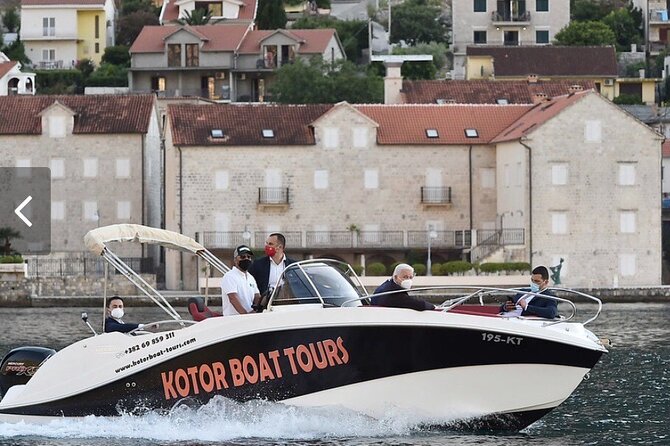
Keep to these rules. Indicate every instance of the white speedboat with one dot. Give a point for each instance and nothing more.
(318, 343)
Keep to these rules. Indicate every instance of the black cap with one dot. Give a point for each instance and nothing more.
(242, 249)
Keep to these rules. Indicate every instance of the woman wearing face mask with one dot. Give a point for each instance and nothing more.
(529, 304)
(239, 292)
(400, 282)
(115, 313)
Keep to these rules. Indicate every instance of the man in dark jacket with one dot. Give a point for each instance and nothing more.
(115, 313)
(528, 304)
(268, 269)
(400, 282)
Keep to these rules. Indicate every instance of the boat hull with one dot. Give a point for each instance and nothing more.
(496, 377)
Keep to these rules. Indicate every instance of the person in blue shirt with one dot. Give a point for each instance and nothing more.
(528, 304)
(115, 313)
(400, 282)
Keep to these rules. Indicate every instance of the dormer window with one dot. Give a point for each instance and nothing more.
(268, 133)
(502, 101)
(471, 133)
(217, 133)
(432, 133)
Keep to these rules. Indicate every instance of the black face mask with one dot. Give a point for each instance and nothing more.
(244, 264)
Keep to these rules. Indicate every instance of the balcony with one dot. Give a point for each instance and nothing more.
(53, 65)
(443, 239)
(436, 196)
(273, 197)
(507, 18)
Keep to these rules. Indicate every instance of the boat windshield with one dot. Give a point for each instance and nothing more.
(317, 283)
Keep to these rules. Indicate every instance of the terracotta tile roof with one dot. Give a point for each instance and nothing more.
(6, 66)
(407, 124)
(666, 148)
(20, 115)
(549, 60)
(62, 2)
(539, 114)
(217, 37)
(485, 91)
(170, 11)
(243, 125)
(314, 41)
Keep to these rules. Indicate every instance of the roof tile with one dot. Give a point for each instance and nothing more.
(220, 37)
(313, 40)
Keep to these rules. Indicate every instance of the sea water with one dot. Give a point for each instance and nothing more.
(624, 401)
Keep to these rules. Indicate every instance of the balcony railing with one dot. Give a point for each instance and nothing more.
(273, 195)
(213, 239)
(334, 239)
(436, 195)
(500, 17)
(443, 239)
(293, 239)
(380, 239)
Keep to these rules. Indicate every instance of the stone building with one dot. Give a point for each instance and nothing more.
(372, 182)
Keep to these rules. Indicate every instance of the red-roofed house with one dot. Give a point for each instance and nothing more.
(232, 11)
(104, 155)
(495, 182)
(221, 62)
(58, 33)
(12, 80)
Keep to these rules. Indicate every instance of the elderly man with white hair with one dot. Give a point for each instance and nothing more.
(396, 288)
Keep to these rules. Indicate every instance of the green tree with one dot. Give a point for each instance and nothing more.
(108, 75)
(199, 16)
(628, 99)
(586, 33)
(271, 15)
(86, 67)
(316, 82)
(352, 33)
(590, 10)
(11, 20)
(131, 25)
(116, 55)
(131, 6)
(627, 25)
(424, 70)
(7, 234)
(16, 51)
(415, 21)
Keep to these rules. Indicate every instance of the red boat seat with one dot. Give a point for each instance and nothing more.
(200, 311)
(479, 310)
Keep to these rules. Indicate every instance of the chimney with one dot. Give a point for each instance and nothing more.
(572, 89)
(540, 97)
(392, 83)
(532, 78)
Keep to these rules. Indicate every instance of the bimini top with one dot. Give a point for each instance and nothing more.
(96, 239)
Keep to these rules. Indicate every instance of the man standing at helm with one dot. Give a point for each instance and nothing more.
(400, 282)
(268, 269)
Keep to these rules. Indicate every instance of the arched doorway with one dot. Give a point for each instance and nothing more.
(13, 86)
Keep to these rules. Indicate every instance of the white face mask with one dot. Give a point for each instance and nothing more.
(406, 284)
(117, 313)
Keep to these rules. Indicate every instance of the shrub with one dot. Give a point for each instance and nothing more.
(376, 269)
(11, 259)
(456, 267)
(358, 269)
(419, 269)
(436, 269)
(519, 266)
(490, 267)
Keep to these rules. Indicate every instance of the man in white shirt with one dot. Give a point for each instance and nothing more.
(268, 269)
(239, 291)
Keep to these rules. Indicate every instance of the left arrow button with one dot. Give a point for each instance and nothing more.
(17, 211)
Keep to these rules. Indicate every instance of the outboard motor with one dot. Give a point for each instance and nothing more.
(20, 364)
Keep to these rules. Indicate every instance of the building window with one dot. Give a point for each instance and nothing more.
(57, 167)
(174, 55)
(479, 6)
(192, 55)
(541, 36)
(158, 83)
(331, 136)
(97, 48)
(542, 5)
(49, 26)
(123, 210)
(123, 168)
(371, 178)
(432, 133)
(91, 211)
(559, 174)
(56, 126)
(627, 222)
(479, 37)
(58, 210)
(627, 264)
(48, 55)
(626, 174)
(23, 162)
(97, 26)
(320, 179)
(593, 131)
(559, 223)
(488, 179)
(90, 167)
(221, 180)
(360, 137)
